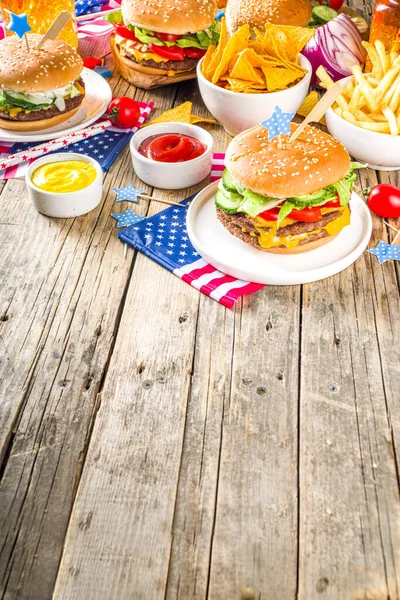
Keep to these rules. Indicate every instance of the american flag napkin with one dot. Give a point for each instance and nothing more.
(105, 147)
(163, 238)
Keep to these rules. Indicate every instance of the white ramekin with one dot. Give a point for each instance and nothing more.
(63, 205)
(238, 111)
(172, 176)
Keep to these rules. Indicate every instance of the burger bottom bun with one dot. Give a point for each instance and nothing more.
(303, 248)
(37, 125)
(143, 77)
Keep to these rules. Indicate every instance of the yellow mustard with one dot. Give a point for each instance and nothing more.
(64, 177)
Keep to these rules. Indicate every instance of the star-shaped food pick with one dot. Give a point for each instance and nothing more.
(103, 71)
(129, 193)
(127, 218)
(278, 124)
(384, 252)
(18, 24)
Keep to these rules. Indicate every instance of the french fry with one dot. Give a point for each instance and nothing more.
(377, 127)
(365, 89)
(327, 82)
(355, 99)
(394, 130)
(361, 116)
(395, 101)
(386, 83)
(373, 55)
(381, 50)
(349, 117)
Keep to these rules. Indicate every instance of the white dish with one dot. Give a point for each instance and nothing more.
(172, 176)
(238, 259)
(380, 150)
(98, 97)
(237, 111)
(65, 205)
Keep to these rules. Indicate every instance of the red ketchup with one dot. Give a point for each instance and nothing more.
(172, 147)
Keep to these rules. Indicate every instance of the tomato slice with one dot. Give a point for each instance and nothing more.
(126, 33)
(310, 214)
(194, 52)
(172, 53)
(168, 37)
(331, 204)
(270, 215)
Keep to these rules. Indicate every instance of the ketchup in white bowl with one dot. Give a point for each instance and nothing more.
(171, 147)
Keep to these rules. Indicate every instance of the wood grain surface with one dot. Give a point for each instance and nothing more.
(155, 445)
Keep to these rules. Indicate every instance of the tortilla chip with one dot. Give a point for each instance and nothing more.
(239, 85)
(293, 38)
(195, 119)
(179, 114)
(279, 78)
(236, 44)
(217, 56)
(244, 69)
(308, 104)
(207, 59)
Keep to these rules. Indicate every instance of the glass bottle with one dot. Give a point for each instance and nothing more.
(386, 24)
(41, 15)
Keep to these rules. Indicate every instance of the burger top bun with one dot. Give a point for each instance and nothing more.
(313, 161)
(55, 65)
(170, 16)
(256, 13)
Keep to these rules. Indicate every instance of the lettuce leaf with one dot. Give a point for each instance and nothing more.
(285, 210)
(201, 39)
(115, 17)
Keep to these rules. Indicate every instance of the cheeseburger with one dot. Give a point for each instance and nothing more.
(285, 198)
(256, 13)
(39, 88)
(157, 42)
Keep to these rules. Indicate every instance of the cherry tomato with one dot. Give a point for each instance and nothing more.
(384, 200)
(124, 112)
(194, 52)
(91, 62)
(172, 53)
(335, 4)
(168, 37)
(310, 214)
(270, 215)
(126, 33)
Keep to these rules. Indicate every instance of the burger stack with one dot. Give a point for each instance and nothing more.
(40, 88)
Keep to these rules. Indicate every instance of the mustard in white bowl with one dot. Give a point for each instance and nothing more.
(65, 185)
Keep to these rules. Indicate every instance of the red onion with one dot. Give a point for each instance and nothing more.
(337, 47)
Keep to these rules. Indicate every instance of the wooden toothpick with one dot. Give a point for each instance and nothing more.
(146, 197)
(394, 229)
(27, 43)
(56, 28)
(319, 109)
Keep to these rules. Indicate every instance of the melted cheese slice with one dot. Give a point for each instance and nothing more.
(267, 237)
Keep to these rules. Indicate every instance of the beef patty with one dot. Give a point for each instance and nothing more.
(235, 224)
(186, 64)
(46, 113)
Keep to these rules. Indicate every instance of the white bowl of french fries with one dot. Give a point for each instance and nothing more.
(366, 116)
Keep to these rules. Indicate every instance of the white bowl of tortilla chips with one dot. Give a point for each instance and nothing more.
(246, 76)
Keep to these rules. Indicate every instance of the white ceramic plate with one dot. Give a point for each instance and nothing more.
(238, 259)
(98, 97)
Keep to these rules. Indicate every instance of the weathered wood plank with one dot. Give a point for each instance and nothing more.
(61, 291)
(350, 504)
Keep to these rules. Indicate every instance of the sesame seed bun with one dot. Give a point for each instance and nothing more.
(14, 125)
(55, 65)
(256, 13)
(169, 16)
(314, 161)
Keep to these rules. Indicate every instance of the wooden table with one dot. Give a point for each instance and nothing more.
(156, 445)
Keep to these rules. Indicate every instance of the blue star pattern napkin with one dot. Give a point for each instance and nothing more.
(85, 7)
(384, 252)
(164, 238)
(128, 193)
(278, 124)
(127, 218)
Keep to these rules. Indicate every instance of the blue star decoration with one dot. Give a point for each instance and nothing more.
(278, 124)
(127, 218)
(385, 252)
(129, 193)
(18, 24)
(103, 71)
